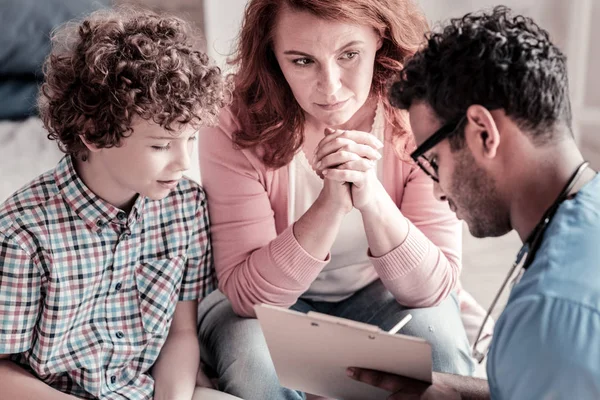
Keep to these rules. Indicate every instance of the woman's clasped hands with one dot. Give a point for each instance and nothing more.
(349, 158)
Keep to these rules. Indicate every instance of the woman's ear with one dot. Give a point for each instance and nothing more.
(379, 43)
(481, 133)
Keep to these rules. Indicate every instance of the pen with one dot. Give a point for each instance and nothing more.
(400, 324)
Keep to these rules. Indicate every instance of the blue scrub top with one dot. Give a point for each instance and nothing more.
(546, 343)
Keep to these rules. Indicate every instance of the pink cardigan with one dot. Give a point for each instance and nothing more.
(257, 257)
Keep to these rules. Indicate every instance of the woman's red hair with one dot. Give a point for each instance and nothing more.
(262, 99)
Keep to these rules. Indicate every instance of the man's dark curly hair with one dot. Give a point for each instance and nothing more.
(124, 63)
(495, 60)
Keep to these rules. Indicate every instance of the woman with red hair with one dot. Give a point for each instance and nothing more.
(313, 199)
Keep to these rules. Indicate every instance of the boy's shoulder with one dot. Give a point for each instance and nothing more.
(181, 212)
(182, 202)
(188, 190)
(29, 201)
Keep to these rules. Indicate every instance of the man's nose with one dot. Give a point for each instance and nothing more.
(438, 192)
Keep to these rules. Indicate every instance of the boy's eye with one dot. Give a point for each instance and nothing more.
(162, 148)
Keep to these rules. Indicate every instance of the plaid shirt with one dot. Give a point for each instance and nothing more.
(87, 292)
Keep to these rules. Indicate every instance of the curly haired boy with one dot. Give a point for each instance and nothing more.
(104, 258)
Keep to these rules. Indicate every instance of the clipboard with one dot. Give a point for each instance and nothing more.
(311, 352)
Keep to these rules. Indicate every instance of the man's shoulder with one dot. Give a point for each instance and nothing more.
(27, 204)
(565, 265)
(547, 322)
(564, 271)
(581, 212)
(544, 344)
(555, 304)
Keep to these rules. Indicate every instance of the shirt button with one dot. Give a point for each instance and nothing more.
(99, 223)
(121, 215)
(120, 335)
(118, 286)
(113, 379)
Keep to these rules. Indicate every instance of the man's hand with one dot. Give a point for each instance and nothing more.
(404, 388)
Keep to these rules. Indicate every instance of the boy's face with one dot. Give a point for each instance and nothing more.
(151, 161)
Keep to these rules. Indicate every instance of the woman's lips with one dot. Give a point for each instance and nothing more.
(332, 106)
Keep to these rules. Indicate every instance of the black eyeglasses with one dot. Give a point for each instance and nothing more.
(430, 166)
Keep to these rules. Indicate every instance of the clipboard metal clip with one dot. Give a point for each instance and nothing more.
(343, 321)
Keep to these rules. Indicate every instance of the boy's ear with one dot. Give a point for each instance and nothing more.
(90, 146)
(481, 133)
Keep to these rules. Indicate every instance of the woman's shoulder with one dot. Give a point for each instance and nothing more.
(228, 122)
(218, 142)
(221, 135)
(399, 138)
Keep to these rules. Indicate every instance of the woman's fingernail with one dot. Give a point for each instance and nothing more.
(350, 372)
(319, 165)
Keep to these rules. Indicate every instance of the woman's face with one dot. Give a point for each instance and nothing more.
(328, 65)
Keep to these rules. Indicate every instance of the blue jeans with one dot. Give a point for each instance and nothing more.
(235, 348)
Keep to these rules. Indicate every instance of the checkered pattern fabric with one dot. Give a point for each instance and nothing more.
(87, 292)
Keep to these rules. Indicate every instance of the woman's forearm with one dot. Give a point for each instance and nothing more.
(318, 227)
(417, 271)
(385, 226)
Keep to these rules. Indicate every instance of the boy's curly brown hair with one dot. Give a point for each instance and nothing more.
(124, 63)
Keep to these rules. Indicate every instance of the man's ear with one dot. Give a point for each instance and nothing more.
(90, 146)
(481, 133)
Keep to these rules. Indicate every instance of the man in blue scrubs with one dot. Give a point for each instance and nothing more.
(489, 108)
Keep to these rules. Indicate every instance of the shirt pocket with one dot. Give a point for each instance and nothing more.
(158, 284)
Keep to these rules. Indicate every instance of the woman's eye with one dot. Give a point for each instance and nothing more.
(302, 61)
(350, 55)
